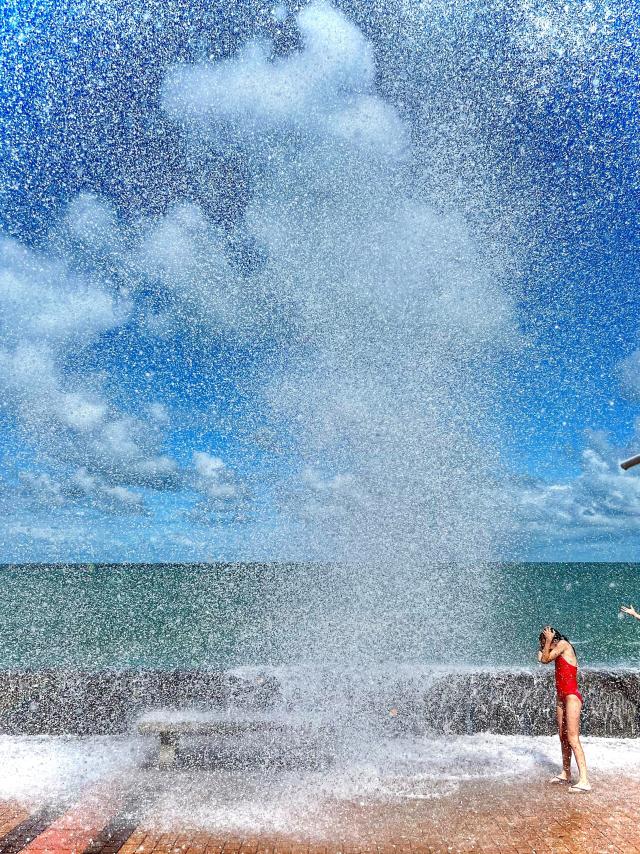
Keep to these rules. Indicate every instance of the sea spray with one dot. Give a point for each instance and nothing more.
(388, 317)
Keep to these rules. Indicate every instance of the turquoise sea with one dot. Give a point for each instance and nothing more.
(99, 616)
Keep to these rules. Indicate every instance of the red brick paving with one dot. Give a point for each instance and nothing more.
(491, 818)
(11, 815)
(75, 830)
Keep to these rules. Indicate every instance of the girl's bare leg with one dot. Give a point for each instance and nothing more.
(572, 709)
(564, 743)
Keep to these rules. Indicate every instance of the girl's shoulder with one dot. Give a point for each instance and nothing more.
(569, 654)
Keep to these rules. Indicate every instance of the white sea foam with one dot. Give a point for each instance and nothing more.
(41, 769)
(37, 769)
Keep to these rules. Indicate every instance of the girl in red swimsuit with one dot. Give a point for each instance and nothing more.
(556, 647)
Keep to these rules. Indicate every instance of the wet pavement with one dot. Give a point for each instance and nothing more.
(126, 816)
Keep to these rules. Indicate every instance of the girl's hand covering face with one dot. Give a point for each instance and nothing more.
(548, 633)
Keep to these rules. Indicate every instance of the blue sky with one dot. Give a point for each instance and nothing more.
(269, 275)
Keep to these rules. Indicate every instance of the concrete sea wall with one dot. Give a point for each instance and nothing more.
(455, 702)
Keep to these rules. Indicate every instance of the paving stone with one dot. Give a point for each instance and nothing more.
(24, 832)
(488, 819)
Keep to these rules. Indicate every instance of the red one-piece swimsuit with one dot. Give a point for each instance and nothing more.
(566, 679)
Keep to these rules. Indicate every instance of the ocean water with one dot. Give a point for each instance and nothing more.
(162, 616)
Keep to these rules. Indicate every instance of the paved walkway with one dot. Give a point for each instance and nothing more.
(501, 818)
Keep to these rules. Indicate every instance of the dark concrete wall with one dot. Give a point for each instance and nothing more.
(510, 702)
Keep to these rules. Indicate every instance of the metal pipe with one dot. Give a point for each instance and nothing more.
(632, 461)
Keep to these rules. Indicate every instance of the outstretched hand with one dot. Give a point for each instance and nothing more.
(630, 610)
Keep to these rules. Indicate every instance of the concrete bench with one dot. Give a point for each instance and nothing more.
(171, 726)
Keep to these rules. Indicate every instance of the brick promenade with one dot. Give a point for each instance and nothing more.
(510, 817)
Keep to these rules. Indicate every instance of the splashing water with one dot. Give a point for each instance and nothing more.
(387, 314)
(273, 311)
(371, 323)
(385, 317)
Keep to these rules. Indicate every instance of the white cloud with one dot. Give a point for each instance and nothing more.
(185, 255)
(80, 487)
(214, 476)
(241, 100)
(43, 303)
(219, 489)
(49, 313)
(602, 502)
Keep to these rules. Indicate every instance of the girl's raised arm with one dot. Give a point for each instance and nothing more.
(547, 654)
